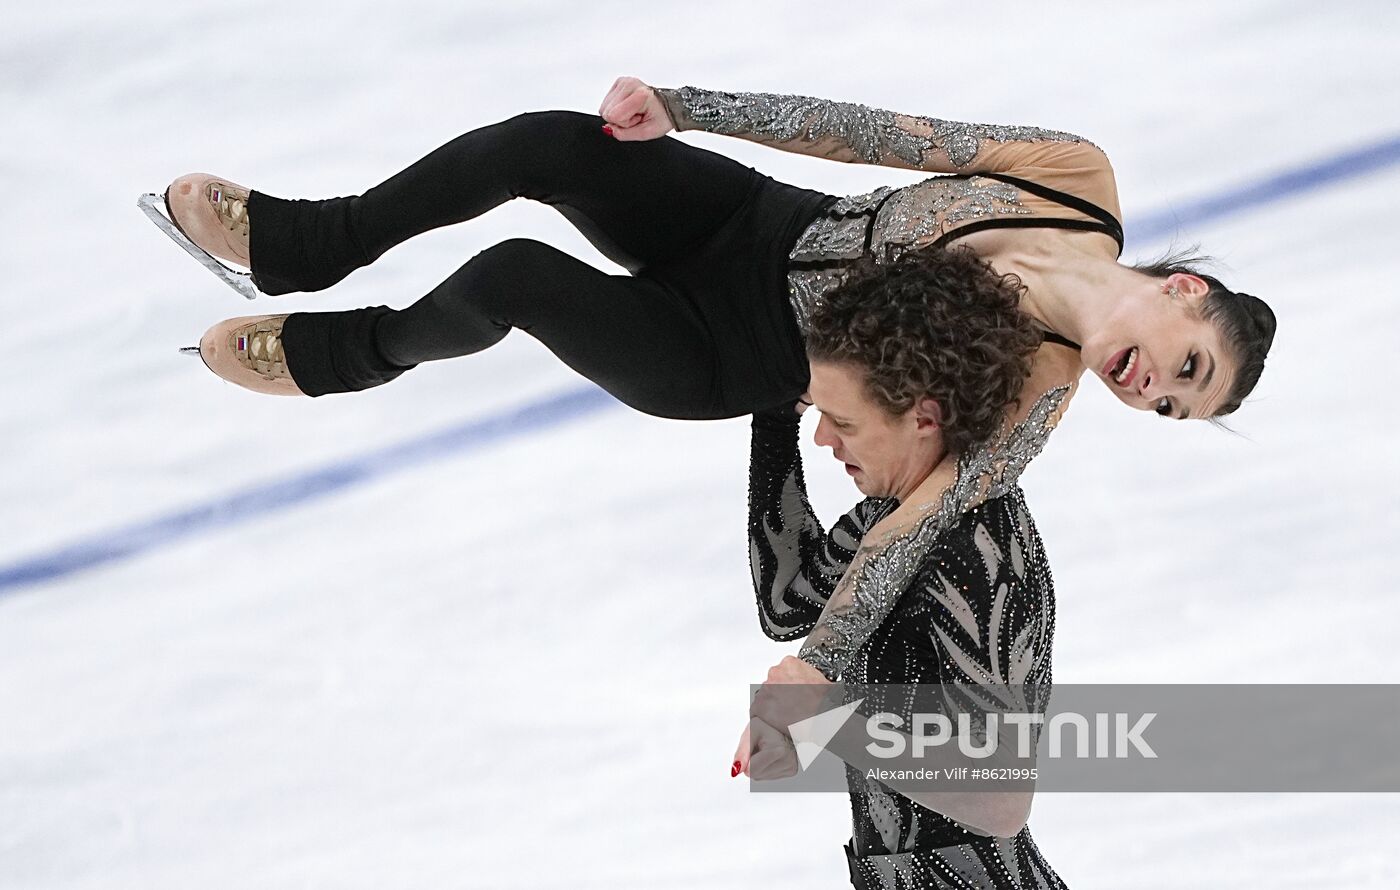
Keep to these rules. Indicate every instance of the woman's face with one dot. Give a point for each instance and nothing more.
(885, 456)
(1156, 352)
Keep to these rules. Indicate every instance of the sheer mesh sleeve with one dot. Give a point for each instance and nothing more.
(795, 564)
(845, 131)
(893, 550)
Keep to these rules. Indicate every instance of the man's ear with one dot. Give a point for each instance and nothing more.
(928, 414)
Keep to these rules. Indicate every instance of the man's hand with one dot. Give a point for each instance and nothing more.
(765, 753)
(793, 692)
(633, 111)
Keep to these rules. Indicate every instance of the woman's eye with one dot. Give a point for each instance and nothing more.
(1188, 370)
(1164, 407)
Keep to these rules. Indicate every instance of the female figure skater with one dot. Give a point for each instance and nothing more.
(726, 266)
(897, 386)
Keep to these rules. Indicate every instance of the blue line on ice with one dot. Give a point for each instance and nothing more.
(249, 503)
(1266, 190)
(256, 501)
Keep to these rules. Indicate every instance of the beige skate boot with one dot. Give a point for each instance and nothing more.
(248, 351)
(213, 213)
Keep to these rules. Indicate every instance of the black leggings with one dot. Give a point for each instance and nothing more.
(700, 329)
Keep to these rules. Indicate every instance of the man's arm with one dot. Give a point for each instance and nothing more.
(795, 564)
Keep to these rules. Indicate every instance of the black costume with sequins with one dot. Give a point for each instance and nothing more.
(979, 609)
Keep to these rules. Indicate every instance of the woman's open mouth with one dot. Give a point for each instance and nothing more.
(1122, 368)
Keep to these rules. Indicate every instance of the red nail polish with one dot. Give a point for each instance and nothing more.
(607, 129)
(735, 771)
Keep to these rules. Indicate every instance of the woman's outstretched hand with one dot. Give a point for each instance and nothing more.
(634, 112)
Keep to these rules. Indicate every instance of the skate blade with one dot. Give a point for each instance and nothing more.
(194, 352)
(242, 282)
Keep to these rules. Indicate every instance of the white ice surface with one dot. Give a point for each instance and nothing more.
(526, 666)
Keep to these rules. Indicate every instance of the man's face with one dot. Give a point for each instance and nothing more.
(886, 456)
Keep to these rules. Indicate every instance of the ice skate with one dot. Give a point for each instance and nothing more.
(208, 217)
(248, 351)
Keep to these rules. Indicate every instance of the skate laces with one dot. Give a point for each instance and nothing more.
(230, 207)
(260, 347)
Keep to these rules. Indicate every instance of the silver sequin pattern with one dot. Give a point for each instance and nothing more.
(984, 598)
(829, 238)
(883, 570)
(911, 216)
(920, 213)
(805, 290)
(839, 232)
(871, 134)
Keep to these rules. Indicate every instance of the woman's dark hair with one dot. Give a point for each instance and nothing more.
(932, 323)
(1246, 323)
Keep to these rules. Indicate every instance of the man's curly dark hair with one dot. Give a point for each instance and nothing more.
(932, 323)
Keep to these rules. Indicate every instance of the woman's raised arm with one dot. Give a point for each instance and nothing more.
(846, 131)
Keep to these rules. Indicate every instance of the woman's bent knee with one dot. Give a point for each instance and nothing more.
(510, 281)
(553, 125)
